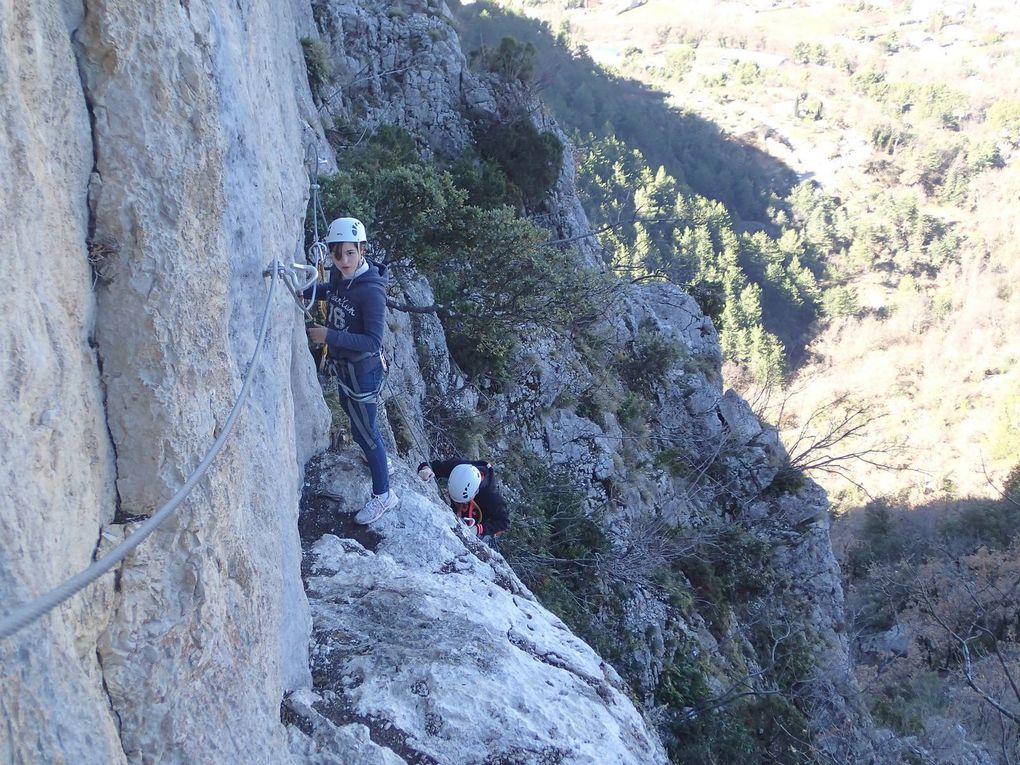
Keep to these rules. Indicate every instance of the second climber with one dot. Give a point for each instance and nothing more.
(471, 488)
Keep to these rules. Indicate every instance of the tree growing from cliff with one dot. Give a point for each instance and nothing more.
(835, 437)
(530, 159)
(512, 60)
(492, 278)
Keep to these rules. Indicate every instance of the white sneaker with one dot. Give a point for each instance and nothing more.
(376, 506)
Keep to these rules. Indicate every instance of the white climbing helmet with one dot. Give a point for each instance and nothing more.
(346, 230)
(464, 482)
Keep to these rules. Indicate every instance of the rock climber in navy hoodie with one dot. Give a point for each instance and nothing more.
(355, 313)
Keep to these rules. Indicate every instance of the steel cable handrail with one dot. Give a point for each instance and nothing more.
(32, 610)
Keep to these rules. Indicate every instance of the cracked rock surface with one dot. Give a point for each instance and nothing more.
(426, 640)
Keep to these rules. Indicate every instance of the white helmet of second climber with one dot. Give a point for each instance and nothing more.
(346, 230)
(463, 483)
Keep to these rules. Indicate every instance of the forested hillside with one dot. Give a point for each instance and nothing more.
(836, 183)
(671, 197)
(874, 148)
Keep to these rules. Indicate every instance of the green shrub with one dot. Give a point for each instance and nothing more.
(802, 52)
(598, 401)
(871, 83)
(679, 62)
(317, 62)
(1011, 486)
(683, 683)
(1004, 116)
(747, 72)
(644, 364)
(732, 566)
(780, 731)
(889, 42)
(389, 146)
(554, 544)
(750, 731)
(993, 524)
(531, 160)
(676, 461)
(491, 275)
(792, 659)
(512, 60)
(486, 184)
(709, 295)
(840, 302)
(633, 413)
(905, 705)
(559, 597)
(984, 155)
(787, 480)
(460, 431)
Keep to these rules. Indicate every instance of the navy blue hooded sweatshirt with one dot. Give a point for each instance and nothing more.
(355, 315)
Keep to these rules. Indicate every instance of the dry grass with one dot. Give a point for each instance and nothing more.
(949, 384)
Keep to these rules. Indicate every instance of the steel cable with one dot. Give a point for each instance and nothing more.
(32, 610)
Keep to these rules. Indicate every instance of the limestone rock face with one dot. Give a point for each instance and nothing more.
(186, 184)
(400, 65)
(429, 640)
(55, 452)
(200, 183)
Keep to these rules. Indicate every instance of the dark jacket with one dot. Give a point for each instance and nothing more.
(492, 507)
(355, 315)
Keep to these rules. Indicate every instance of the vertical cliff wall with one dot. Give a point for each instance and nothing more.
(164, 142)
(55, 452)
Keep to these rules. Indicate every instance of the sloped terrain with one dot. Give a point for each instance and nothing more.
(429, 641)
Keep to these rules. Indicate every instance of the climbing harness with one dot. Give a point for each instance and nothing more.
(471, 516)
(359, 397)
(32, 610)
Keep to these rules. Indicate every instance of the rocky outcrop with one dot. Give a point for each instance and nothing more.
(427, 641)
(399, 64)
(198, 184)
